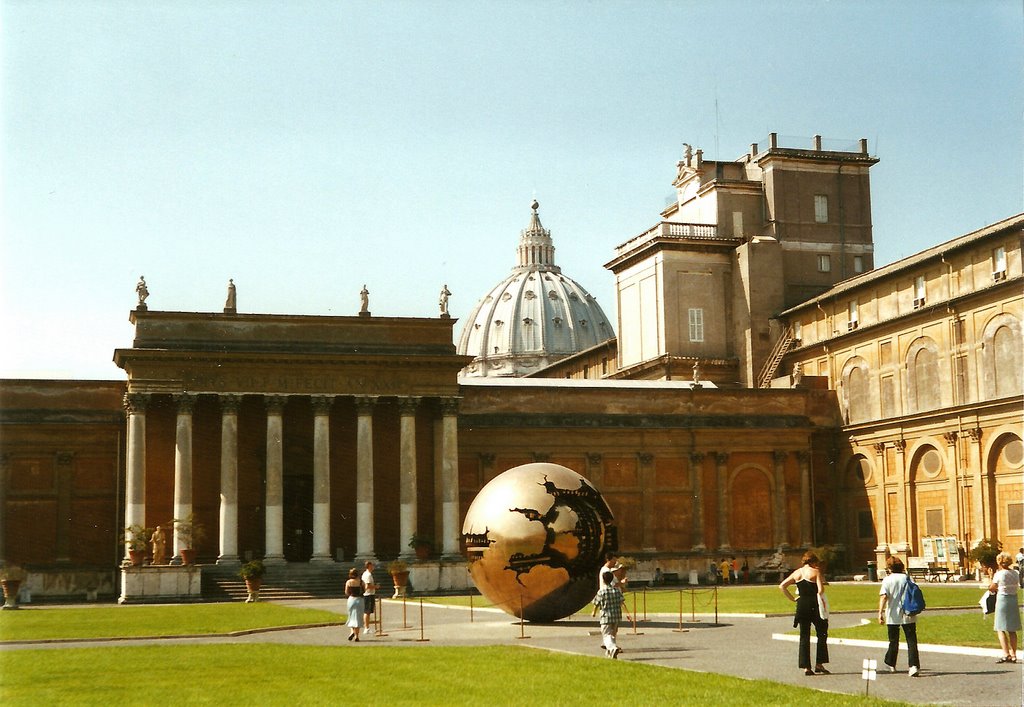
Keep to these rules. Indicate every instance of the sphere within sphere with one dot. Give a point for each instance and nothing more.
(536, 536)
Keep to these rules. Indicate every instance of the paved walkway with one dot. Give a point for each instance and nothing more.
(739, 646)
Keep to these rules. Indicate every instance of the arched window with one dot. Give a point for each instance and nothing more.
(860, 401)
(1006, 346)
(923, 384)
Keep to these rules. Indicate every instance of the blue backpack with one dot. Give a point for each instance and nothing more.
(913, 599)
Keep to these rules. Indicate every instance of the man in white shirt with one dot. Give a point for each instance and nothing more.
(369, 596)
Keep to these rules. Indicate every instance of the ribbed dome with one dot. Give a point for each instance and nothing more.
(533, 317)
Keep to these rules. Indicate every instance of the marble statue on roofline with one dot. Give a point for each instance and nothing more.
(364, 302)
(229, 304)
(142, 291)
(443, 300)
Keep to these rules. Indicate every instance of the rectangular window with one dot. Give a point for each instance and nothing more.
(888, 391)
(934, 521)
(858, 263)
(852, 308)
(1015, 516)
(798, 330)
(865, 526)
(824, 263)
(960, 371)
(999, 263)
(696, 325)
(919, 290)
(820, 208)
(737, 224)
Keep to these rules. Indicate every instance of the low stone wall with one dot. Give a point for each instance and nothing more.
(68, 585)
(157, 584)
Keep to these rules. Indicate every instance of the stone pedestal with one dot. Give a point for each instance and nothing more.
(158, 584)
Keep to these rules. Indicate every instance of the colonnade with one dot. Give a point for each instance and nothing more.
(135, 480)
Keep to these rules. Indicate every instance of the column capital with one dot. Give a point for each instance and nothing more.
(899, 445)
(594, 458)
(450, 405)
(229, 404)
(803, 456)
(135, 403)
(950, 437)
(879, 448)
(779, 456)
(975, 434)
(322, 404)
(185, 402)
(408, 404)
(487, 458)
(365, 404)
(541, 456)
(721, 458)
(275, 403)
(696, 457)
(645, 457)
(64, 458)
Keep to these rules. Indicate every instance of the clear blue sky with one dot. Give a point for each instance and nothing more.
(307, 148)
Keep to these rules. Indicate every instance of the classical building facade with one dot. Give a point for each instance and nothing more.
(768, 389)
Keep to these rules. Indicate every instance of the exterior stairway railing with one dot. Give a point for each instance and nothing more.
(782, 346)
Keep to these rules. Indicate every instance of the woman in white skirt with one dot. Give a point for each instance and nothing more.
(1007, 620)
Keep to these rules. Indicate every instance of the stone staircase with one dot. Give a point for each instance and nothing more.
(289, 581)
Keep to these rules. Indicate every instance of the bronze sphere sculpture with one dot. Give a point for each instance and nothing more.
(536, 536)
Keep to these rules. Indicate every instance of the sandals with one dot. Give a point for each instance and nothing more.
(1007, 659)
(808, 671)
(822, 670)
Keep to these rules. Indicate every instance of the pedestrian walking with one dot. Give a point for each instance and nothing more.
(810, 585)
(890, 613)
(369, 596)
(354, 592)
(1007, 619)
(609, 602)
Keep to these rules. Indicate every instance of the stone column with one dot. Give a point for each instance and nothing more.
(779, 520)
(274, 521)
(722, 474)
(228, 480)
(450, 478)
(904, 491)
(5, 460)
(806, 512)
(322, 478)
(594, 470)
(364, 477)
(979, 510)
(182, 463)
(697, 494)
(65, 483)
(882, 500)
(407, 474)
(953, 474)
(647, 494)
(135, 472)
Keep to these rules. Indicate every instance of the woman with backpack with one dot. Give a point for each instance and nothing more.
(891, 613)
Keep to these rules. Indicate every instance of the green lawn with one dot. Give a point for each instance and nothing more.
(267, 674)
(943, 628)
(761, 599)
(169, 620)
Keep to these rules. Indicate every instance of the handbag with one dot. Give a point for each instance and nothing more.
(988, 603)
(823, 607)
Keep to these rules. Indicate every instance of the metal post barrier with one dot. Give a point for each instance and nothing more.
(405, 617)
(379, 617)
(681, 629)
(716, 606)
(471, 607)
(421, 638)
(522, 625)
(645, 603)
(693, 605)
(633, 617)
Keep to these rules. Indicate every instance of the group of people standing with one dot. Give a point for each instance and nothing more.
(361, 590)
(812, 610)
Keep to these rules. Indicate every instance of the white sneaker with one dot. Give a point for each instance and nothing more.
(892, 668)
(369, 632)
(615, 653)
(914, 670)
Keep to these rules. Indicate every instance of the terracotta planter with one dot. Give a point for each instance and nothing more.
(422, 552)
(11, 587)
(401, 580)
(252, 586)
(137, 557)
(188, 557)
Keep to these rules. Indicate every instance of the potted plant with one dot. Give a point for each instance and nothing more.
(984, 553)
(422, 544)
(190, 532)
(400, 576)
(136, 537)
(11, 577)
(252, 572)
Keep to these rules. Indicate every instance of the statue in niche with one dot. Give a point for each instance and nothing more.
(798, 375)
(364, 301)
(159, 541)
(696, 373)
(229, 304)
(443, 300)
(142, 290)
